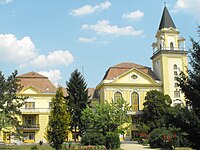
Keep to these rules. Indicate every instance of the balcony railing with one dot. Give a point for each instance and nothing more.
(176, 49)
(31, 126)
(35, 110)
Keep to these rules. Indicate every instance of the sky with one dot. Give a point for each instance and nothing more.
(55, 37)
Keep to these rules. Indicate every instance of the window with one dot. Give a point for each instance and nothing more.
(117, 96)
(134, 77)
(177, 93)
(160, 46)
(135, 120)
(171, 46)
(29, 105)
(175, 84)
(29, 120)
(175, 67)
(50, 103)
(175, 73)
(29, 135)
(135, 101)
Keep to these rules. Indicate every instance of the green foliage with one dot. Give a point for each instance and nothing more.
(57, 129)
(190, 85)
(10, 102)
(93, 138)
(155, 109)
(164, 138)
(112, 140)
(34, 147)
(77, 100)
(107, 119)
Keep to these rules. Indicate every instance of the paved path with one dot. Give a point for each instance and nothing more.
(134, 146)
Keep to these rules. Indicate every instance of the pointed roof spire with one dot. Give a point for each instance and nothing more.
(166, 20)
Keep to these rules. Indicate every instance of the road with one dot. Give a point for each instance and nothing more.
(134, 146)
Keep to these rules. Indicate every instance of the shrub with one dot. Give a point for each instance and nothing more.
(162, 138)
(34, 147)
(112, 140)
(92, 138)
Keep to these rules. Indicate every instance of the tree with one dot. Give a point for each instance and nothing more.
(155, 109)
(77, 101)
(57, 129)
(190, 86)
(10, 102)
(107, 119)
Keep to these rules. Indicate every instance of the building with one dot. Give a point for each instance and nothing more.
(35, 112)
(132, 81)
(128, 80)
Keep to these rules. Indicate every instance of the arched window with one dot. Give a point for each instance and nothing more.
(135, 101)
(175, 67)
(171, 46)
(117, 96)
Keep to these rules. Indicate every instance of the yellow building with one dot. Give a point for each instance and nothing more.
(132, 81)
(35, 113)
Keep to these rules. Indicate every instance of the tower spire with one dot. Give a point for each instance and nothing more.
(166, 20)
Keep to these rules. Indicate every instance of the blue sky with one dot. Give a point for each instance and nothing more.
(56, 37)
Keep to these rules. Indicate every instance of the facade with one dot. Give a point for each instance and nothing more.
(35, 113)
(132, 81)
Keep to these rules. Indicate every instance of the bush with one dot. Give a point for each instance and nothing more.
(112, 140)
(34, 147)
(163, 138)
(92, 138)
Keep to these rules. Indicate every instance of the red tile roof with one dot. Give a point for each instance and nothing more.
(38, 81)
(119, 69)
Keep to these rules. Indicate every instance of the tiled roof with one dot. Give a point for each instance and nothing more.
(119, 69)
(93, 93)
(38, 81)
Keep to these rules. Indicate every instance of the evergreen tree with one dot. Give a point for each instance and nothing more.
(190, 85)
(57, 129)
(10, 102)
(77, 101)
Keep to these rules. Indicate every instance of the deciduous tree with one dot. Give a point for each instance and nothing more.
(155, 109)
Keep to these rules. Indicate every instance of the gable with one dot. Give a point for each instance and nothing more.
(30, 90)
(135, 76)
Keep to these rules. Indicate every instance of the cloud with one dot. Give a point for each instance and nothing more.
(88, 9)
(87, 40)
(5, 1)
(53, 75)
(135, 15)
(23, 53)
(104, 27)
(55, 58)
(188, 6)
(18, 51)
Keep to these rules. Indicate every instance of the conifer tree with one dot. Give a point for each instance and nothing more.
(57, 129)
(77, 100)
(10, 102)
(190, 85)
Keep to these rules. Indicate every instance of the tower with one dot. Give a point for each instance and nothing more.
(169, 57)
